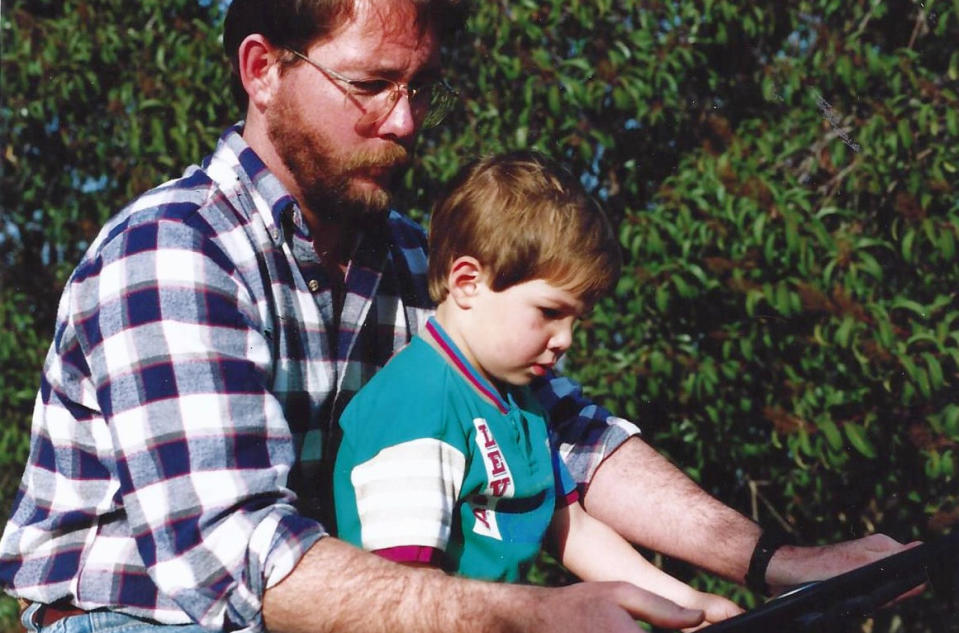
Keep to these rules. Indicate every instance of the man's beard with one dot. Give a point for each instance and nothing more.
(324, 178)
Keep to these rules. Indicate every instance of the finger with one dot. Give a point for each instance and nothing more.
(912, 593)
(723, 611)
(657, 610)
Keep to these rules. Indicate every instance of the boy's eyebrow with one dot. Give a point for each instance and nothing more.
(577, 305)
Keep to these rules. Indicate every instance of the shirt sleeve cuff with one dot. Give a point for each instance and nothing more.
(292, 535)
(583, 460)
(568, 499)
(412, 554)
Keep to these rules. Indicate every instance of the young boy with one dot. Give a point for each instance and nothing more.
(445, 458)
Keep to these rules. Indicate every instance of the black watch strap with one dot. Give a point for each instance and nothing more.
(769, 542)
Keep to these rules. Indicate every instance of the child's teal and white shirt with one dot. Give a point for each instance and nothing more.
(436, 466)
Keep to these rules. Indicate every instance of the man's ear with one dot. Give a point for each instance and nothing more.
(259, 69)
(465, 281)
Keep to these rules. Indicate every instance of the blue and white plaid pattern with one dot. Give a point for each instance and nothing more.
(181, 439)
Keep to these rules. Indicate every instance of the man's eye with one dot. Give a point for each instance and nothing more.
(370, 87)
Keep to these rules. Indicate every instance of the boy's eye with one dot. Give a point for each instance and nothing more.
(550, 313)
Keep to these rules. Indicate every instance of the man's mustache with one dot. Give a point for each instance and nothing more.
(390, 158)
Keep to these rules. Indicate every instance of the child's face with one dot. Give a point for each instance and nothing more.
(517, 334)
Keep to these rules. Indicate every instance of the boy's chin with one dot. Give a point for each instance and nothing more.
(518, 380)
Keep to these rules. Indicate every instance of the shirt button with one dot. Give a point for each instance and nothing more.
(275, 234)
(314, 285)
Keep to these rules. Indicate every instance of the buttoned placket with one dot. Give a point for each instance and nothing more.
(364, 271)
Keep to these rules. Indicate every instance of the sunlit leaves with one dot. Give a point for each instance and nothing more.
(101, 100)
(790, 310)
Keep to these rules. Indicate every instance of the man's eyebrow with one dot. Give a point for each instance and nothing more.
(433, 71)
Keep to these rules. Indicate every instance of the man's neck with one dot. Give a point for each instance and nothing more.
(332, 241)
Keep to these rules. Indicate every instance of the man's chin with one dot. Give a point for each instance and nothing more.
(370, 194)
(365, 204)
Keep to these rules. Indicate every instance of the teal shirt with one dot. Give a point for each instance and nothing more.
(437, 466)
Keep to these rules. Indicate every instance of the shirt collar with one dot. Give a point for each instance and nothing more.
(235, 165)
(235, 162)
(435, 335)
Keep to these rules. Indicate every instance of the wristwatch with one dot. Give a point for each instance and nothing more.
(769, 542)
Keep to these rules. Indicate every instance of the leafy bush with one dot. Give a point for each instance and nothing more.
(101, 101)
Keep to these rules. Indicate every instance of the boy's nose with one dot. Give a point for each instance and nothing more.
(562, 338)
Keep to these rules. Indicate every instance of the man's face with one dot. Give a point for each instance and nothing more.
(342, 163)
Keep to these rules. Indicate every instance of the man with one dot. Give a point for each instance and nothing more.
(216, 328)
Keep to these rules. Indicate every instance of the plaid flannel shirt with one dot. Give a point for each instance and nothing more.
(182, 435)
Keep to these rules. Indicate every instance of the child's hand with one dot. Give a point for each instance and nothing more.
(715, 607)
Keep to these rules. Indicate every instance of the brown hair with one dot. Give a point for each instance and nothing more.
(298, 23)
(523, 217)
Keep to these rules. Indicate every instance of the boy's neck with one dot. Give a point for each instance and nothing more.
(450, 319)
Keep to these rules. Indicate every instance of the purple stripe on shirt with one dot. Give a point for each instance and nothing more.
(455, 357)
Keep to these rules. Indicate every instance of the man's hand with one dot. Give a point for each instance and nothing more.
(791, 566)
(611, 607)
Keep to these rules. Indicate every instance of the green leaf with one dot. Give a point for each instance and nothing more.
(950, 420)
(910, 305)
(662, 298)
(947, 465)
(947, 244)
(905, 133)
(907, 243)
(857, 437)
(933, 465)
(844, 331)
(936, 376)
(831, 433)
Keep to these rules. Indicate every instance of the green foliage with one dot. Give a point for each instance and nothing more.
(787, 325)
(100, 102)
(782, 178)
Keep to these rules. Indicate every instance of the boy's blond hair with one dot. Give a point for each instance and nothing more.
(523, 217)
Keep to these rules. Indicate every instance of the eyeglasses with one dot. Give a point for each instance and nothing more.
(430, 101)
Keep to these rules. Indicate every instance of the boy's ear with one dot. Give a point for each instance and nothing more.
(464, 280)
(259, 69)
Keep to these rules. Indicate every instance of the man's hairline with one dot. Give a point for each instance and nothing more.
(433, 62)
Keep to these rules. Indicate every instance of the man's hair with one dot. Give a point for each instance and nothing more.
(524, 217)
(298, 23)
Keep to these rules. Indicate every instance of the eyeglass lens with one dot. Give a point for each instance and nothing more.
(430, 103)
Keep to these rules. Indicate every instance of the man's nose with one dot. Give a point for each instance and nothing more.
(399, 121)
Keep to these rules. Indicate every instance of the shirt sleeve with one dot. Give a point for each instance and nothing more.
(399, 469)
(182, 369)
(583, 432)
(566, 490)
